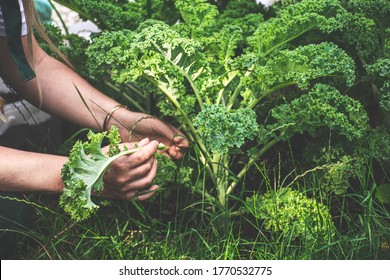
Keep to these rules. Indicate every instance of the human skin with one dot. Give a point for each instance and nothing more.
(54, 91)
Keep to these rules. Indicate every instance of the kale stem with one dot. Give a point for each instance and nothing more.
(225, 85)
(239, 87)
(267, 92)
(249, 165)
(193, 135)
(107, 163)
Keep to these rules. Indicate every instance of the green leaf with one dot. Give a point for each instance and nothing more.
(293, 22)
(322, 107)
(383, 193)
(84, 171)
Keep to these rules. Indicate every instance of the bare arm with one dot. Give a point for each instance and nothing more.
(53, 90)
(57, 94)
(30, 172)
(59, 97)
(33, 172)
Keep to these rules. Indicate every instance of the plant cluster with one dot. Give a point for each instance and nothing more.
(209, 74)
(294, 215)
(242, 80)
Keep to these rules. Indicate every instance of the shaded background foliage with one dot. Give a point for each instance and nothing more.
(313, 74)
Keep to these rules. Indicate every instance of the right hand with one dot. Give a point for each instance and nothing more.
(132, 175)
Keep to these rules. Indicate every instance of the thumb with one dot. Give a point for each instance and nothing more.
(133, 145)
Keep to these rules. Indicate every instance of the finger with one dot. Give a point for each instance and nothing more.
(143, 142)
(175, 152)
(179, 144)
(147, 194)
(180, 141)
(140, 172)
(140, 180)
(138, 158)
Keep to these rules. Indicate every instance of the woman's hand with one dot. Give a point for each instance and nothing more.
(134, 126)
(132, 176)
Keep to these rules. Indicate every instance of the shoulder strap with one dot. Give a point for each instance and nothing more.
(13, 24)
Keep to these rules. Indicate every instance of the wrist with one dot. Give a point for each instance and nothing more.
(110, 118)
(123, 119)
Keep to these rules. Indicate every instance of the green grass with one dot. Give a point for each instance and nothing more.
(180, 226)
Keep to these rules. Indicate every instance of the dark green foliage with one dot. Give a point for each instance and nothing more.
(198, 16)
(376, 9)
(109, 48)
(304, 64)
(384, 101)
(380, 73)
(112, 14)
(362, 34)
(293, 22)
(71, 45)
(170, 173)
(209, 78)
(321, 107)
(378, 144)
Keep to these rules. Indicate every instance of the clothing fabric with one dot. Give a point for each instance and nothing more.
(24, 25)
(12, 12)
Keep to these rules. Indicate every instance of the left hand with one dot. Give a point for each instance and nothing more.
(140, 126)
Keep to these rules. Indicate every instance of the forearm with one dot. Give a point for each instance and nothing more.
(54, 90)
(85, 106)
(30, 172)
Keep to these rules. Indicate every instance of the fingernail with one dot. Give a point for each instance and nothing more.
(173, 154)
(132, 193)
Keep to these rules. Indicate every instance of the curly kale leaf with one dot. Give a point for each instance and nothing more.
(300, 66)
(71, 45)
(109, 14)
(380, 74)
(362, 34)
(323, 106)
(159, 54)
(293, 22)
(377, 144)
(245, 14)
(225, 43)
(376, 9)
(380, 69)
(199, 16)
(84, 171)
(293, 214)
(222, 129)
(109, 52)
(169, 173)
(384, 101)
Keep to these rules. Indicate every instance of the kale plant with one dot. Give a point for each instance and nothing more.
(214, 75)
(241, 79)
